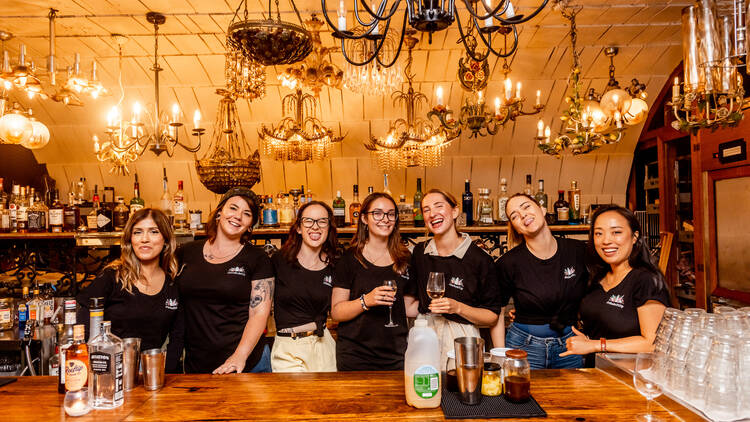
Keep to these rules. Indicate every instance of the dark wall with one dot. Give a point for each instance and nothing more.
(18, 165)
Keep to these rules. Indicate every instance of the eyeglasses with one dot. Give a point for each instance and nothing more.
(309, 222)
(378, 215)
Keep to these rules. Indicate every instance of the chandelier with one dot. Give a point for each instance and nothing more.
(410, 141)
(228, 161)
(316, 70)
(712, 94)
(374, 25)
(595, 120)
(300, 136)
(373, 78)
(20, 127)
(270, 41)
(245, 78)
(127, 140)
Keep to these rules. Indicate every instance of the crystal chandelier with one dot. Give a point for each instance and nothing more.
(373, 24)
(590, 122)
(228, 161)
(712, 94)
(300, 136)
(127, 140)
(410, 141)
(373, 78)
(245, 78)
(316, 70)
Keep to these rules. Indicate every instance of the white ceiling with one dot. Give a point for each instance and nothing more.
(192, 47)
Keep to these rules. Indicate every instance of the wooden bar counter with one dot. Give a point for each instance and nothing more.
(566, 395)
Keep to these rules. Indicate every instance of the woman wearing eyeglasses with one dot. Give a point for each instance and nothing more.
(362, 305)
(302, 298)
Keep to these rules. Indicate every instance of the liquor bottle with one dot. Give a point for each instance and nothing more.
(56, 213)
(386, 189)
(370, 190)
(3, 195)
(77, 361)
(96, 316)
(5, 220)
(82, 191)
(286, 210)
(22, 218)
(13, 207)
(417, 205)
(165, 203)
(540, 196)
(71, 215)
(484, 208)
(528, 189)
(65, 340)
(120, 215)
(355, 207)
(47, 337)
(467, 203)
(502, 200)
(339, 210)
(179, 207)
(405, 212)
(48, 302)
(37, 214)
(574, 198)
(54, 363)
(136, 203)
(270, 213)
(562, 209)
(35, 307)
(105, 357)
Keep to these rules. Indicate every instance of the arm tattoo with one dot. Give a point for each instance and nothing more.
(262, 290)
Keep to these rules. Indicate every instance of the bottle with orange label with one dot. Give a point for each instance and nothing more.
(77, 361)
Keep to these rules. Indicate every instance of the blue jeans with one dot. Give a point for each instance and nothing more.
(264, 364)
(543, 352)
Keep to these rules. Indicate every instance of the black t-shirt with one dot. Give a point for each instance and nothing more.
(544, 291)
(614, 314)
(471, 280)
(364, 343)
(300, 295)
(215, 304)
(135, 314)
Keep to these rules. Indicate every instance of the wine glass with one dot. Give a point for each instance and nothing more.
(644, 381)
(392, 285)
(436, 285)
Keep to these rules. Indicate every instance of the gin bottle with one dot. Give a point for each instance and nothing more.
(105, 375)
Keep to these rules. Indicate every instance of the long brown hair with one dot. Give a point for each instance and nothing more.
(449, 198)
(514, 237)
(399, 252)
(293, 243)
(128, 266)
(213, 219)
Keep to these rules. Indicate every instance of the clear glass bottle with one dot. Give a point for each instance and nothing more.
(405, 212)
(179, 207)
(13, 208)
(484, 208)
(56, 213)
(105, 373)
(22, 219)
(165, 203)
(541, 196)
(286, 210)
(120, 214)
(502, 200)
(386, 189)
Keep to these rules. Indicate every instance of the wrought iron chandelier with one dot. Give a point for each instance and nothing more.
(595, 120)
(426, 16)
(711, 94)
(411, 141)
(127, 140)
(299, 136)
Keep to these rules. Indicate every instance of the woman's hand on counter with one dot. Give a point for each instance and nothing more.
(580, 344)
(234, 363)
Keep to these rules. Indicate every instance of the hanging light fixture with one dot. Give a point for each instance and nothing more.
(39, 135)
(411, 141)
(374, 24)
(245, 78)
(595, 120)
(228, 161)
(711, 94)
(373, 78)
(15, 127)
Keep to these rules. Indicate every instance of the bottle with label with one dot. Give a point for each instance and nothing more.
(105, 359)
(71, 216)
(502, 200)
(82, 191)
(56, 213)
(66, 340)
(96, 315)
(3, 195)
(405, 212)
(13, 208)
(120, 215)
(136, 203)
(179, 207)
(417, 206)
(540, 196)
(270, 213)
(22, 219)
(35, 307)
(562, 209)
(370, 190)
(165, 203)
(339, 210)
(286, 210)
(484, 208)
(528, 190)
(574, 198)
(37, 214)
(467, 203)
(386, 189)
(4, 211)
(354, 207)
(77, 361)
(48, 302)
(54, 363)
(422, 367)
(91, 223)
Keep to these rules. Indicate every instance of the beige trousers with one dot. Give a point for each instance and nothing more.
(447, 331)
(306, 354)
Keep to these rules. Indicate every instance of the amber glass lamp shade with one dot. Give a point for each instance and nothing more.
(15, 128)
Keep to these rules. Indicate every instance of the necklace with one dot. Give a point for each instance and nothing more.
(375, 260)
(213, 257)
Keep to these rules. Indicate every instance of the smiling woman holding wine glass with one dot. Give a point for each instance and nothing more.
(454, 279)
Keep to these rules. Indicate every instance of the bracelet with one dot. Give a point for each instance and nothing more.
(362, 301)
(603, 343)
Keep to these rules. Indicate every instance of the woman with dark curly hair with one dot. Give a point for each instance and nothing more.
(302, 297)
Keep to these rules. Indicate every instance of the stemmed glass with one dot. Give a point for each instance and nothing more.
(392, 285)
(435, 285)
(643, 379)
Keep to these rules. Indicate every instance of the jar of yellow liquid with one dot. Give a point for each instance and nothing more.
(492, 379)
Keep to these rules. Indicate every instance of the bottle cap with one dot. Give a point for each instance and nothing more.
(25, 290)
(96, 302)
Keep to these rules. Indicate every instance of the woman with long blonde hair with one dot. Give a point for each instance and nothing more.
(140, 297)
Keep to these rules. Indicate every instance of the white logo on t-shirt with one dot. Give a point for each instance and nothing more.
(569, 272)
(171, 304)
(617, 300)
(328, 281)
(236, 271)
(457, 283)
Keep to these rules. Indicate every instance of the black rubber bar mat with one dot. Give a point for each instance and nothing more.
(489, 407)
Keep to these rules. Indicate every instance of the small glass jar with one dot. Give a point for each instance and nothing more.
(451, 378)
(484, 208)
(517, 376)
(6, 314)
(492, 381)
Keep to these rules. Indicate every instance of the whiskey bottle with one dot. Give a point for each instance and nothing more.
(77, 361)
(66, 340)
(22, 218)
(120, 214)
(71, 215)
(37, 214)
(467, 203)
(339, 210)
(417, 205)
(406, 213)
(562, 208)
(105, 358)
(136, 203)
(574, 198)
(91, 218)
(13, 207)
(355, 207)
(56, 213)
